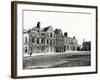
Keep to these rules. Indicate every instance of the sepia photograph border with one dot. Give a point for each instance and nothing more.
(14, 38)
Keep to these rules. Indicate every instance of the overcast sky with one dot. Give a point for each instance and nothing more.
(76, 24)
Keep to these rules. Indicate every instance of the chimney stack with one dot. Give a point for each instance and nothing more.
(38, 25)
(66, 34)
(73, 37)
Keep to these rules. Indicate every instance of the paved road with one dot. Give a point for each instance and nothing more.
(54, 60)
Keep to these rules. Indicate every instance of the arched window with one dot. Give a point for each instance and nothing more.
(50, 41)
(25, 39)
(33, 40)
(42, 41)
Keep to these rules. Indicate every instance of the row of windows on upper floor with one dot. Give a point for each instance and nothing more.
(71, 41)
(52, 35)
(43, 41)
(47, 41)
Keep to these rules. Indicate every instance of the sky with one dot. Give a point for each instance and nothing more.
(76, 24)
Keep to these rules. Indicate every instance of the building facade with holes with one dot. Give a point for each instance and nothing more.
(41, 40)
(86, 46)
(45, 40)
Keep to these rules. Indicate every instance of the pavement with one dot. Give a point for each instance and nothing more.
(60, 53)
(52, 60)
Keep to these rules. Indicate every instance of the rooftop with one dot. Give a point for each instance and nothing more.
(46, 29)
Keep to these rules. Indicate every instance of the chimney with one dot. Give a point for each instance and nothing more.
(38, 25)
(73, 37)
(65, 34)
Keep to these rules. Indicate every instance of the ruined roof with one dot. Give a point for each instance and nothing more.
(58, 31)
(46, 29)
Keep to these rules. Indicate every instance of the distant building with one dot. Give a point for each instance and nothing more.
(86, 46)
(70, 44)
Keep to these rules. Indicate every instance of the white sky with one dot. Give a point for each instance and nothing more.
(76, 24)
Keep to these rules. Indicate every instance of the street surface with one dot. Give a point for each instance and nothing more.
(56, 60)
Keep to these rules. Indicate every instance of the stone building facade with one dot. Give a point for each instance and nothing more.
(43, 40)
(86, 46)
(70, 44)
